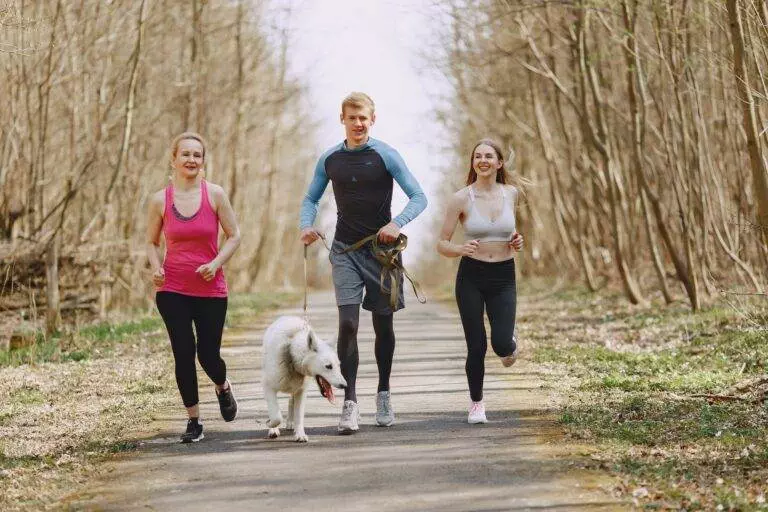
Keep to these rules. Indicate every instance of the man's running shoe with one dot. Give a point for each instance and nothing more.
(350, 418)
(385, 416)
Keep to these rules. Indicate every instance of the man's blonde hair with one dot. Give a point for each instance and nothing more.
(358, 100)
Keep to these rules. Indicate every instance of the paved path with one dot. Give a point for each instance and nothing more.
(431, 459)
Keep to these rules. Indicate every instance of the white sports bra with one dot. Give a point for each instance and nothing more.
(479, 227)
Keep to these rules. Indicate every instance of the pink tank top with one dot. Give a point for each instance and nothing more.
(189, 243)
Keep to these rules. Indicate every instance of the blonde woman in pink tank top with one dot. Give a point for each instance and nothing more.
(191, 289)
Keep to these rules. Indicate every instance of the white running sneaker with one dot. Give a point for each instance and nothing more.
(385, 416)
(477, 413)
(350, 418)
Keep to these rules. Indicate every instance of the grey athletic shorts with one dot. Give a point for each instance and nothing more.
(354, 271)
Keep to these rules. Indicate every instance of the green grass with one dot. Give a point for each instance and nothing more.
(651, 420)
(27, 396)
(100, 339)
(145, 388)
(27, 461)
(706, 363)
(111, 332)
(641, 379)
(261, 301)
(243, 307)
(91, 341)
(41, 351)
(715, 490)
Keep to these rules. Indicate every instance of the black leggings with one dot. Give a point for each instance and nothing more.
(179, 312)
(489, 285)
(384, 348)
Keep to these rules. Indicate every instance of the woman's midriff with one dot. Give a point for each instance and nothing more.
(493, 251)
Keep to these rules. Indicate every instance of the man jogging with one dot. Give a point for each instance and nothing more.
(362, 170)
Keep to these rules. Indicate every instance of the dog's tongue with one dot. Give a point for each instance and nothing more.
(326, 389)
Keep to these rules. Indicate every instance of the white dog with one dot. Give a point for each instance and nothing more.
(293, 352)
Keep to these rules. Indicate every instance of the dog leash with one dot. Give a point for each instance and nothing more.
(387, 255)
(390, 266)
(306, 285)
(306, 278)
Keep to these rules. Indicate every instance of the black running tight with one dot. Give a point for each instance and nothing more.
(491, 286)
(384, 348)
(179, 313)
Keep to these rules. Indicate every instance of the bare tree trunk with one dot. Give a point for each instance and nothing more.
(546, 147)
(262, 256)
(759, 171)
(52, 311)
(598, 135)
(43, 103)
(635, 81)
(193, 114)
(107, 207)
(239, 106)
(131, 102)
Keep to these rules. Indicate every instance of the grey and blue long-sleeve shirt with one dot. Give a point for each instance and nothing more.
(362, 186)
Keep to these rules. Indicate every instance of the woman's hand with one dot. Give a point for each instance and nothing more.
(208, 271)
(158, 277)
(469, 248)
(516, 242)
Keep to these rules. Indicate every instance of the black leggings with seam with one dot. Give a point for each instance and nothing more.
(384, 347)
(179, 313)
(486, 286)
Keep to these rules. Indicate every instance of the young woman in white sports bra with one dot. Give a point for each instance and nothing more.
(486, 275)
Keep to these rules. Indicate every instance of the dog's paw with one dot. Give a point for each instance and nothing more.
(300, 437)
(289, 425)
(273, 433)
(275, 422)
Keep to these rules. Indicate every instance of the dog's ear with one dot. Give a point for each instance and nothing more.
(311, 342)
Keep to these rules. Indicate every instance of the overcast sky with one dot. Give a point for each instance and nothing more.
(375, 46)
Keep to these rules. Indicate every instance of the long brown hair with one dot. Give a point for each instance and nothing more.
(502, 175)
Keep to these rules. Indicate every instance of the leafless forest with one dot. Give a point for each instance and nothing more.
(641, 127)
(92, 93)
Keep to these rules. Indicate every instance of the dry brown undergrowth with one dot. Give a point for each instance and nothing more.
(58, 420)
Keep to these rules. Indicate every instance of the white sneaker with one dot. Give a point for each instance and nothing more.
(350, 418)
(385, 416)
(477, 413)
